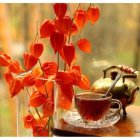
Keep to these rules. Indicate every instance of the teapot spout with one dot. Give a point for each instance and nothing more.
(131, 98)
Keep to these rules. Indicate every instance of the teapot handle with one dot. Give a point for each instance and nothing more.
(122, 68)
(128, 76)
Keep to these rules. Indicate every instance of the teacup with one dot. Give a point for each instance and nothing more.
(94, 106)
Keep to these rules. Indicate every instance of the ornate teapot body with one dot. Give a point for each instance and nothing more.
(124, 89)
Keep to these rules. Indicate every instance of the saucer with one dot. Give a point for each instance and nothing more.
(72, 117)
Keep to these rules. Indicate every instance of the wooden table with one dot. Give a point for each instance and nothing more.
(127, 126)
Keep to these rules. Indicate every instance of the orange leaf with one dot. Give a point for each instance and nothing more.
(93, 14)
(15, 87)
(48, 107)
(50, 68)
(29, 121)
(84, 45)
(81, 18)
(4, 59)
(60, 9)
(30, 60)
(37, 99)
(64, 78)
(47, 28)
(29, 80)
(69, 53)
(15, 67)
(84, 83)
(36, 49)
(57, 40)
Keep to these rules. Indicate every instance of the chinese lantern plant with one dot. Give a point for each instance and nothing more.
(41, 75)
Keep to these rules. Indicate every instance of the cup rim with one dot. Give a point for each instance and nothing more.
(97, 99)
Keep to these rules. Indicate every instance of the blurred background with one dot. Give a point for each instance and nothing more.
(115, 39)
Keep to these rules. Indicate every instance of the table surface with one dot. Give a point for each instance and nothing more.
(126, 126)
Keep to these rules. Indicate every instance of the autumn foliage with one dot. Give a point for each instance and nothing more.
(41, 75)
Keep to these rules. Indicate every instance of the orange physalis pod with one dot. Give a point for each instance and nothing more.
(68, 91)
(57, 40)
(81, 18)
(84, 45)
(65, 95)
(29, 80)
(40, 131)
(62, 54)
(75, 72)
(44, 87)
(42, 121)
(64, 25)
(49, 88)
(74, 29)
(15, 67)
(41, 80)
(64, 78)
(29, 121)
(15, 87)
(9, 77)
(93, 14)
(37, 99)
(47, 28)
(60, 9)
(29, 60)
(36, 49)
(4, 59)
(69, 53)
(84, 83)
(48, 108)
(49, 68)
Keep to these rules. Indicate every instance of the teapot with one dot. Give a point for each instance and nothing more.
(124, 89)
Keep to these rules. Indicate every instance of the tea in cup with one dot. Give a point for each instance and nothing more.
(94, 106)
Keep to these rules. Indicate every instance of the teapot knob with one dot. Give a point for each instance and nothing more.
(113, 75)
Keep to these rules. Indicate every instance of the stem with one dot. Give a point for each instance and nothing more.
(43, 75)
(72, 23)
(37, 34)
(47, 122)
(38, 113)
(30, 112)
(28, 92)
(65, 66)
(58, 60)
